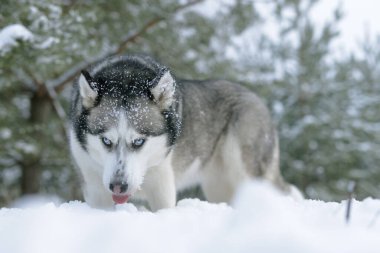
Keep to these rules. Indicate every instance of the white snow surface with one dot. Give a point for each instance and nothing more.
(260, 220)
(10, 34)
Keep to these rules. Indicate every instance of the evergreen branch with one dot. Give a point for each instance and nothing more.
(60, 83)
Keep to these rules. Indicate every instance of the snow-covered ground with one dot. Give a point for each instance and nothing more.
(260, 220)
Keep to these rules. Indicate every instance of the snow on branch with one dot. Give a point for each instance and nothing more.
(10, 35)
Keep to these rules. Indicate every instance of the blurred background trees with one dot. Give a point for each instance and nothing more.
(326, 107)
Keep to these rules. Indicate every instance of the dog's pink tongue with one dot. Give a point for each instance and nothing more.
(119, 199)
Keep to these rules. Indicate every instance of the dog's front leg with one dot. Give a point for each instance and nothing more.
(159, 186)
(94, 191)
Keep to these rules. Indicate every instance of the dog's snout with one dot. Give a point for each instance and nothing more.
(118, 187)
(119, 173)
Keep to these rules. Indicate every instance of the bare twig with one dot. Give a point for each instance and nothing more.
(51, 93)
(351, 190)
(31, 75)
(56, 104)
(373, 221)
(60, 82)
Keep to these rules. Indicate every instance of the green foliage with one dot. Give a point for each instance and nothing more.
(326, 107)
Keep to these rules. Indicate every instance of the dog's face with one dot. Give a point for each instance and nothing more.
(125, 130)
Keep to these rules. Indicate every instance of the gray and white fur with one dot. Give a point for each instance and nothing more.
(137, 131)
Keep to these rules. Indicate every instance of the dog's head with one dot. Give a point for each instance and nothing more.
(126, 119)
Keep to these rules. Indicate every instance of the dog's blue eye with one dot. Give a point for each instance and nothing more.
(107, 142)
(137, 143)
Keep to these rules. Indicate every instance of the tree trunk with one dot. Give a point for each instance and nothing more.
(31, 173)
(40, 109)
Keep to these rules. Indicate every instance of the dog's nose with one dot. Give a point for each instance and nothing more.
(119, 187)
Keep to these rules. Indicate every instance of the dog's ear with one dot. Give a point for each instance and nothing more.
(163, 92)
(88, 89)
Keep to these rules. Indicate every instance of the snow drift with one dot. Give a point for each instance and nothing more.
(260, 220)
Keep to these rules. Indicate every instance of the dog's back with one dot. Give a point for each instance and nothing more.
(227, 129)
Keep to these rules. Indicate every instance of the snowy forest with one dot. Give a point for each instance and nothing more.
(326, 104)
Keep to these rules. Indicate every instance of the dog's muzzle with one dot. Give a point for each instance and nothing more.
(119, 189)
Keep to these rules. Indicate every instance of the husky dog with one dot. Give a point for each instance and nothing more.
(137, 131)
